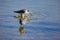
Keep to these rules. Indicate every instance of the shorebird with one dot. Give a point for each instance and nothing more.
(22, 17)
(23, 11)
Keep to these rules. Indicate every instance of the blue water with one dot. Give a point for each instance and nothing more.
(46, 27)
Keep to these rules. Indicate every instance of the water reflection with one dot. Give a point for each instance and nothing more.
(21, 30)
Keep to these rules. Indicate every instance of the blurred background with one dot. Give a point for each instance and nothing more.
(46, 27)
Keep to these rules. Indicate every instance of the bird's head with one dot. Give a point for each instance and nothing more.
(28, 12)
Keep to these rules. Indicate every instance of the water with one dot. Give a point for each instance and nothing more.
(46, 27)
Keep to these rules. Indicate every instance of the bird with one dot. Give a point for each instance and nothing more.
(22, 17)
(23, 11)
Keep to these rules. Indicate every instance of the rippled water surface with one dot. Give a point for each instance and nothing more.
(46, 27)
